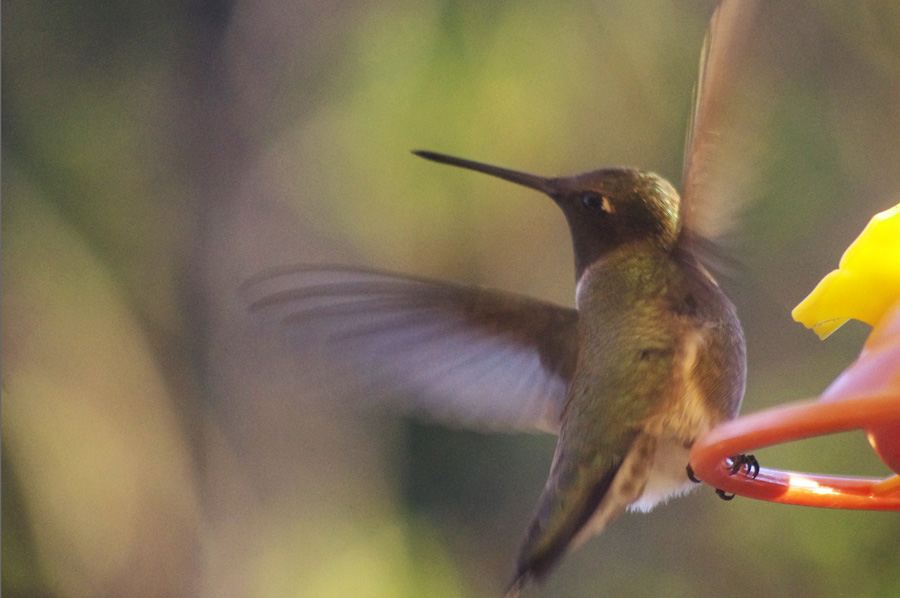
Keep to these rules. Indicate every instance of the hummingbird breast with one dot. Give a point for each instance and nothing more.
(661, 361)
(692, 410)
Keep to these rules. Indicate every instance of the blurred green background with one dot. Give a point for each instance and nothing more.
(157, 154)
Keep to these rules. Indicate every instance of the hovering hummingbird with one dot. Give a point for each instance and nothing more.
(651, 358)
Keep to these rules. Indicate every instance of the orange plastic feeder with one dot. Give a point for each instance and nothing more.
(866, 396)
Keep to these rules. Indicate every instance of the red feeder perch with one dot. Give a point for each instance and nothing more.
(866, 396)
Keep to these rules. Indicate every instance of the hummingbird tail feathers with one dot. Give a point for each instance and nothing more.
(553, 530)
(556, 530)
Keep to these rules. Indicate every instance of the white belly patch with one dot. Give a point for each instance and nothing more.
(668, 476)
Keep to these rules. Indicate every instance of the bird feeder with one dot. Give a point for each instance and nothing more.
(866, 396)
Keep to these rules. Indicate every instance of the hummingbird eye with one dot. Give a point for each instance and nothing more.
(594, 201)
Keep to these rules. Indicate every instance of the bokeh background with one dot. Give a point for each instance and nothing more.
(157, 154)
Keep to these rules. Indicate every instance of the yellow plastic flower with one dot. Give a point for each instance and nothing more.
(866, 283)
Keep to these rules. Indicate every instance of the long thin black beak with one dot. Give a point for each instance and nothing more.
(544, 185)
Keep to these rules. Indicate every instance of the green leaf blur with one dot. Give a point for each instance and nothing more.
(157, 154)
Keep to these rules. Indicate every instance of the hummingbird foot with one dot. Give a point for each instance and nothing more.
(748, 462)
(691, 476)
(739, 462)
(721, 493)
(724, 495)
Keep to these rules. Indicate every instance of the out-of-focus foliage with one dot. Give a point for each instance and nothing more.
(157, 154)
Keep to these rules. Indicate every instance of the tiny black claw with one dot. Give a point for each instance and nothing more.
(748, 462)
(724, 495)
(753, 469)
(691, 476)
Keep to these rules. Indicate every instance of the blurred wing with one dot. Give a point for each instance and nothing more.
(717, 158)
(462, 354)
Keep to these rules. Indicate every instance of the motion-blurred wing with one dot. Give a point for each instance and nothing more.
(462, 354)
(717, 158)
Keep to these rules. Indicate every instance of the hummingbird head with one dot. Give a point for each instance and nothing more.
(604, 208)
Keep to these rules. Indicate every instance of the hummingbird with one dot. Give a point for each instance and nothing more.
(651, 357)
